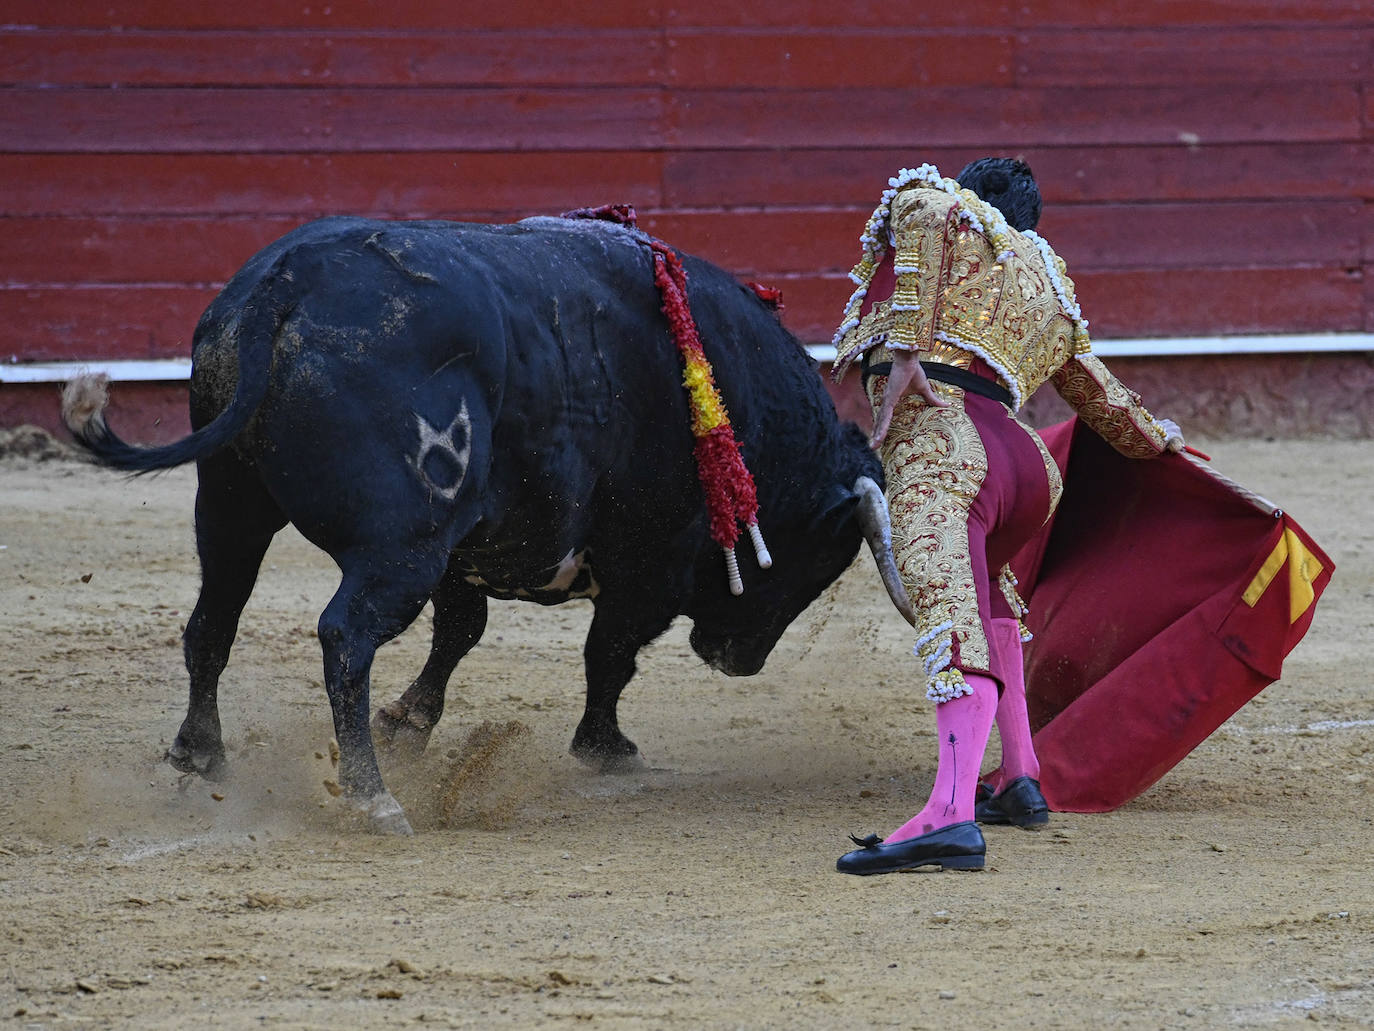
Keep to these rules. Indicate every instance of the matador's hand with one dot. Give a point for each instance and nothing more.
(907, 377)
(1173, 436)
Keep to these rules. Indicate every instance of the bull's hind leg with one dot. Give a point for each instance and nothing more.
(402, 728)
(235, 522)
(381, 594)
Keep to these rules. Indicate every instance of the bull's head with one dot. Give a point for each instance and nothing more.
(736, 634)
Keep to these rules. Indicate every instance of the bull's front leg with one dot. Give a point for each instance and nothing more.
(402, 728)
(613, 642)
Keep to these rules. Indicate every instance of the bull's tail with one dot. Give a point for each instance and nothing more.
(85, 397)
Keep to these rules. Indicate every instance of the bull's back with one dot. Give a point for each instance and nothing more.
(424, 362)
(422, 295)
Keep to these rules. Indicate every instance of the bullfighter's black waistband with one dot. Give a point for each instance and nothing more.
(951, 374)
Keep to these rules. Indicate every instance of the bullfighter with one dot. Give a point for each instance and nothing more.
(961, 312)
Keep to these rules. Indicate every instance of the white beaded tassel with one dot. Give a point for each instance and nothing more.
(732, 571)
(760, 549)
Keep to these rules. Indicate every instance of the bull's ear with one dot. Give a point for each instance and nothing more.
(836, 506)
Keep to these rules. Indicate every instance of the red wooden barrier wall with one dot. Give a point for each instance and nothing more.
(1206, 163)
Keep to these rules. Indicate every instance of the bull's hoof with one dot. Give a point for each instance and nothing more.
(401, 732)
(632, 763)
(208, 763)
(386, 815)
(617, 756)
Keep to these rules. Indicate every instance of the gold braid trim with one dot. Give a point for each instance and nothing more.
(966, 285)
(1111, 409)
(922, 233)
(935, 464)
(1008, 583)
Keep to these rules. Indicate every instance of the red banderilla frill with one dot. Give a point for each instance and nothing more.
(729, 488)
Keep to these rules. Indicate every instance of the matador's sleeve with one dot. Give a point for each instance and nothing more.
(1111, 409)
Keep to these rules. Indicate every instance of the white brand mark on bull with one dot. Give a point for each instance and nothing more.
(442, 441)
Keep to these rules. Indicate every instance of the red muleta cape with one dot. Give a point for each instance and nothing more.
(1163, 597)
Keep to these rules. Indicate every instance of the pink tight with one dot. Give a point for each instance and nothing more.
(1013, 724)
(963, 725)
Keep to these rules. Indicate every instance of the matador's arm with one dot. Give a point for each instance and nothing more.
(1112, 410)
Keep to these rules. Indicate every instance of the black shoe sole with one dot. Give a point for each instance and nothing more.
(958, 847)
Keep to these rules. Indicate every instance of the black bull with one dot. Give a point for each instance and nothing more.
(455, 412)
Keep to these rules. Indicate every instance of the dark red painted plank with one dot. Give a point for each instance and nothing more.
(535, 14)
(812, 304)
(1105, 13)
(149, 413)
(338, 59)
(1221, 301)
(196, 250)
(156, 321)
(1132, 13)
(764, 243)
(143, 250)
(1265, 235)
(1368, 276)
(68, 324)
(442, 184)
(856, 176)
(1273, 235)
(310, 120)
(756, 243)
(794, 176)
(1158, 303)
(878, 58)
(503, 185)
(1252, 171)
(257, 14)
(995, 118)
(826, 14)
(1171, 57)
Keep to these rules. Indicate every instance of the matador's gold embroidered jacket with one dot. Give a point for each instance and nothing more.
(957, 297)
(968, 285)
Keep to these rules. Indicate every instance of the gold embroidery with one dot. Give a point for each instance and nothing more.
(965, 289)
(1109, 407)
(935, 464)
(955, 297)
(1007, 583)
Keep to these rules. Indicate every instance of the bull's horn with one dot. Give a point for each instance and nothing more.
(877, 527)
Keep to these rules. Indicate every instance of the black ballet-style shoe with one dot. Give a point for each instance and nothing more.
(960, 846)
(1019, 804)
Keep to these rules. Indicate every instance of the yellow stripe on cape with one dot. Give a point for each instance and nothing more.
(1303, 570)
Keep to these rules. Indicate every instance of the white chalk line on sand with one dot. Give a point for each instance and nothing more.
(1321, 726)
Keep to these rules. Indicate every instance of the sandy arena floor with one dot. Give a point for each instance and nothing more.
(1237, 893)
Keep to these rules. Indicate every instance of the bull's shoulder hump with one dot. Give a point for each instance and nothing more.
(593, 227)
(498, 241)
(434, 238)
(352, 231)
